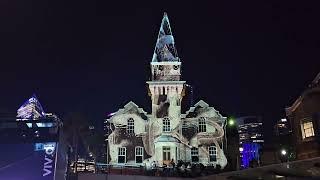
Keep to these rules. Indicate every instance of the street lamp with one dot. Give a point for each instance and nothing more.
(284, 153)
(231, 122)
(241, 149)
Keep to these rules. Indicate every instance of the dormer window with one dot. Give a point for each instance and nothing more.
(202, 127)
(130, 126)
(166, 124)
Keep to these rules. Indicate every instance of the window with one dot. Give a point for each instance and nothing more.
(202, 125)
(121, 155)
(307, 129)
(212, 153)
(166, 153)
(194, 154)
(166, 125)
(184, 125)
(130, 126)
(139, 154)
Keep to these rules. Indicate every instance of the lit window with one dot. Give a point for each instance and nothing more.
(121, 155)
(202, 125)
(166, 125)
(307, 129)
(212, 153)
(139, 154)
(194, 154)
(130, 126)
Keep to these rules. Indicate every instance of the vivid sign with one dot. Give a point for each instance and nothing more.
(28, 161)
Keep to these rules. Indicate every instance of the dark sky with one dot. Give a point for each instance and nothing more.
(243, 58)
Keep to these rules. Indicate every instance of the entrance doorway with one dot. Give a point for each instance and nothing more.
(166, 155)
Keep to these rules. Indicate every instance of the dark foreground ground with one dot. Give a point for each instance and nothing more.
(297, 170)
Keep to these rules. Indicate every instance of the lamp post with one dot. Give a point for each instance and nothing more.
(232, 142)
(284, 153)
(230, 123)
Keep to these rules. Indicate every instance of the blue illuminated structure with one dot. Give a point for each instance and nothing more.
(251, 140)
(250, 151)
(165, 49)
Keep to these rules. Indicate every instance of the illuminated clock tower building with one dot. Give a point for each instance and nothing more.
(166, 134)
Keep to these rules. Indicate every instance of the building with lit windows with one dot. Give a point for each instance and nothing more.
(250, 129)
(138, 138)
(250, 139)
(282, 127)
(83, 165)
(283, 140)
(304, 115)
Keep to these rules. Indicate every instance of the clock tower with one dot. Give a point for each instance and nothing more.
(166, 86)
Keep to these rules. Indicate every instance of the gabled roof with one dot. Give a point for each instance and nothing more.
(31, 109)
(202, 107)
(314, 85)
(315, 82)
(131, 108)
(165, 50)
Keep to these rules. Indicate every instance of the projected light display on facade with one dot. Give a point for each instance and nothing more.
(138, 138)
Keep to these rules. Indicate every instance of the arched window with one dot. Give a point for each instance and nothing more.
(130, 126)
(212, 153)
(166, 124)
(202, 127)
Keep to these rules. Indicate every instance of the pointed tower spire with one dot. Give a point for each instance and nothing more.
(31, 109)
(165, 50)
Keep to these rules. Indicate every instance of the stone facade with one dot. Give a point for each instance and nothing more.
(304, 117)
(139, 138)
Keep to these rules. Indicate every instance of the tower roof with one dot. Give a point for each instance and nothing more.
(165, 50)
(31, 109)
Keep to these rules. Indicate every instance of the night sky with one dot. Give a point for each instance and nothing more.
(243, 58)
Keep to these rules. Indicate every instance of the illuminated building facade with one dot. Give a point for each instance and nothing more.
(31, 109)
(282, 127)
(83, 165)
(250, 139)
(283, 140)
(138, 138)
(304, 116)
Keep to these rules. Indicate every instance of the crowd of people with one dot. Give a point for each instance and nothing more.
(181, 169)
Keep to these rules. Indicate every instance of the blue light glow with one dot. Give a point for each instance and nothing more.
(249, 153)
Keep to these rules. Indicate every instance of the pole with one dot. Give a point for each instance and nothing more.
(107, 155)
